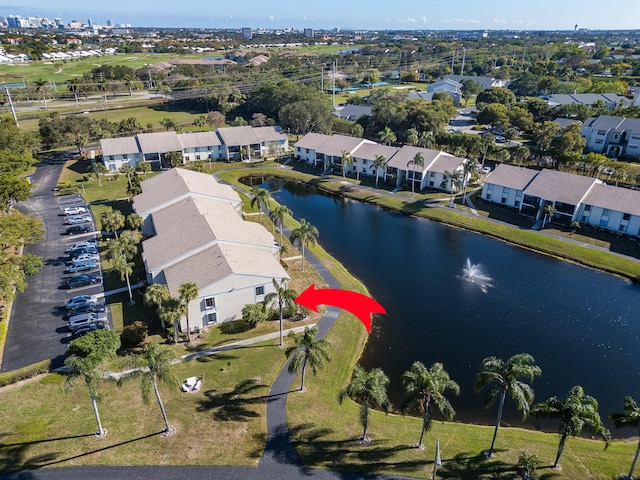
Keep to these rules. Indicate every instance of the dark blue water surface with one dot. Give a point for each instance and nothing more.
(581, 326)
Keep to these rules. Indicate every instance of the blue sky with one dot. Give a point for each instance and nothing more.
(370, 14)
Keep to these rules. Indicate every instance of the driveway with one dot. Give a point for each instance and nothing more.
(37, 330)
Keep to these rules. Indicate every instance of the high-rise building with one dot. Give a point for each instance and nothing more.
(109, 23)
(247, 33)
(309, 33)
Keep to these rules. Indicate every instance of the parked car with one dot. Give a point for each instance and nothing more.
(76, 219)
(82, 267)
(500, 139)
(80, 331)
(75, 210)
(74, 229)
(88, 308)
(82, 281)
(79, 251)
(91, 243)
(86, 257)
(485, 170)
(85, 322)
(90, 317)
(80, 300)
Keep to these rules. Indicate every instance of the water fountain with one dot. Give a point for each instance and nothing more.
(472, 272)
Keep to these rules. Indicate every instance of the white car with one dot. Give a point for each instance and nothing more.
(86, 257)
(74, 210)
(79, 300)
(485, 170)
(76, 219)
(86, 318)
(85, 244)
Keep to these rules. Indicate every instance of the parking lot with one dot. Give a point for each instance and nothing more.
(38, 329)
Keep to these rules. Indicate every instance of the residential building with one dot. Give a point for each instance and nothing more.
(612, 208)
(506, 185)
(117, 152)
(610, 100)
(486, 82)
(613, 136)
(196, 234)
(200, 146)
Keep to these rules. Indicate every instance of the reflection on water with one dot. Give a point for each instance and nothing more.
(580, 325)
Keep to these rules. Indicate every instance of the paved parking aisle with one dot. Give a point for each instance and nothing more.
(37, 326)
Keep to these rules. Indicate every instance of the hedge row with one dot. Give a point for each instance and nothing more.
(26, 372)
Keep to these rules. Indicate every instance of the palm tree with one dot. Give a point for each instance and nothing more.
(425, 388)
(451, 181)
(170, 312)
(369, 389)
(469, 167)
(125, 268)
(488, 139)
(112, 221)
(575, 411)
(630, 418)
(41, 87)
(549, 212)
(87, 369)
(426, 139)
(379, 163)
(506, 377)
(387, 136)
(412, 137)
(282, 297)
(417, 162)
(346, 160)
(129, 171)
(277, 216)
(305, 234)
(312, 351)
(144, 168)
(155, 295)
(260, 198)
(134, 221)
(188, 291)
(153, 364)
(98, 169)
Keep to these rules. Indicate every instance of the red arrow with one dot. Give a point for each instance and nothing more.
(358, 304)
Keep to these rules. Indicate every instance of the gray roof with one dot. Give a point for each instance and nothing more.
(406, 155)
(368, 151)
(352, 112)
(585, 98)
(560, 186)
(335, 144)
(198, 139)
(511, 176)
(608, 122)
(614, 198)
(486, 82)
(159, 142)
(119, 146)
(446, 163)
(269, 134)
(219, 261)
(312, 140)
(234, 136)
(565, 122)
(174, 183)
(421, 94)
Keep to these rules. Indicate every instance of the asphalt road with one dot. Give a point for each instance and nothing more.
(37, 330)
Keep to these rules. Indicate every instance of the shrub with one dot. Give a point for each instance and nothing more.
(104, 343)
(133, 335)
(25, 372)
(255, 313)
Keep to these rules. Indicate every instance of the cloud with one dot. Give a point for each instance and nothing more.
(465, 20)
(271, 17)
(422, 19)
(495, 20)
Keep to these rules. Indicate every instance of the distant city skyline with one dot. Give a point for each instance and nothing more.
(353, 14)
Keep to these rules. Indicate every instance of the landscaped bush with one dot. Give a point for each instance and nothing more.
(25, 372)
(254, 314)
(134, 334)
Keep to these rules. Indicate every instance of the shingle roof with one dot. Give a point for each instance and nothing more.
(560, 186)
(119, 146)
(614, 198)
(337, 143)
(234, 136)
(609, 122)
(173, 184)
(312, 140)
(159, 142)
(220, 261)
(198, 139)
(565, 122)
(352, 112)
(446, 163)
(269, 134)
(407, 153)
(511, 176)
(368, 151)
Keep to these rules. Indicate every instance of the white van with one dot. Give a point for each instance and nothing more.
(84, 319)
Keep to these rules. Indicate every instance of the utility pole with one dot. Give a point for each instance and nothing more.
(333, 90)
(464, 55)
(523, 57)
(453, 57)
(322, 80)
(13, 111)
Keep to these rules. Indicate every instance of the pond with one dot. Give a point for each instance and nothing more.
(581, 326)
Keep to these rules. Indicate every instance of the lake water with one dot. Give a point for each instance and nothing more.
(581, 326)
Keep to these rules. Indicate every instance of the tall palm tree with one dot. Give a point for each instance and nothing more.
(188, 291)
(488, 139)
(425, 388)
(41, 87)
(369, 389)
(549, 212)
(506, 377)
(387, 136)
(278, 215)
(305, 234)
(310, 350)
(575, 412)
(451, 181)
(144, 168)
(260, 198)
(629, 418)
(346, 160)
(154, 296)
(412, 137)
(282, 297)
(152, 365)
(170, 312)
(129, 171)
(98, 169)
(417, 162)
(112, 221)
(87, 369)
(125, 268)
(379, 163)
(469, 167)
(426, 139)
(134, 221)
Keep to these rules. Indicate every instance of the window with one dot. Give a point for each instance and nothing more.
(210, 302)
(516, 203)
(626, 216)
(506, 191)
(621, 228)
(260, 290)
(587, 208)
(606, 212)
(197, 156)
(125, 158)
(603, 222)
(488, 196)
(490, 187)
(210, 319)
(504, 199)
(598, 142)
(519, 194)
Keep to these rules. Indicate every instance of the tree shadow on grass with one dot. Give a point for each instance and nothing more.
(470, 466)
(236, 405)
